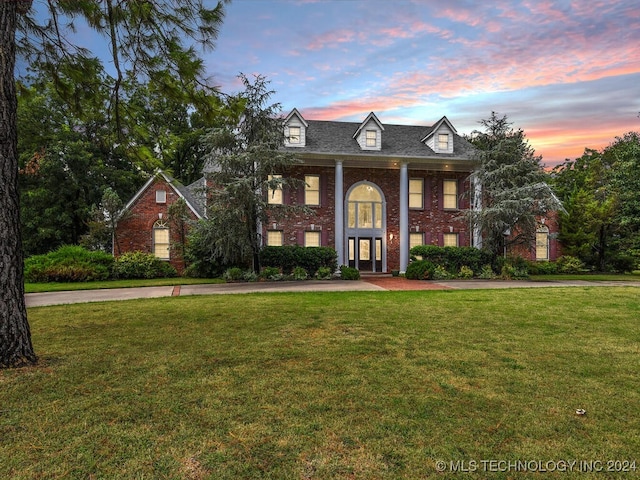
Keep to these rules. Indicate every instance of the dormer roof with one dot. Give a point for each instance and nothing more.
(371, 116)
(296, 113)
(443, 121)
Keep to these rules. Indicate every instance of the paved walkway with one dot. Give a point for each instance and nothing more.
(373, 283)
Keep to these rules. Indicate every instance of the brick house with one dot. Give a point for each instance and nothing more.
(375, 190)
(144, 224)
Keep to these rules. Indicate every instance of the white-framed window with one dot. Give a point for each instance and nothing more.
(415, 239)
(161, 239)
(274, 238)
(294, 134)
(312, 239)
(443, 141)
(371, 138)
(416, 193)
(312, 190)
(161, 196)
(450, 194)
(542, 243)
(450, 240)
(274, 195)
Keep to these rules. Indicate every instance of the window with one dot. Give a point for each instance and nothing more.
(312, 190)
(312, 239)
(161, 240)
(450, 240)
(542, 243)
(443, 141)
(274, 196)
(294, 134)
(274, 238)
(450, 194)
(364, 209)
(161, 196)
(416, 189)
(416, 239)
(372, 137)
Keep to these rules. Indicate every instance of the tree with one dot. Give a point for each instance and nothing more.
(601, 224)
(588, 223)
(146, 38)
(244, 161)
(514, 192)
(15, 336)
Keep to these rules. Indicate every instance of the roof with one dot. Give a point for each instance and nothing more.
(193, 194)
(332, 137)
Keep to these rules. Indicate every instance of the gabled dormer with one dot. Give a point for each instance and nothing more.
(295, 129)
(369, 133)
(440, 138)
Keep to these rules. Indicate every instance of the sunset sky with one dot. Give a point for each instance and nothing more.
(566, 72)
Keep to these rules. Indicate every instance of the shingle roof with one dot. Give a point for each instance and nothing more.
(397, 140)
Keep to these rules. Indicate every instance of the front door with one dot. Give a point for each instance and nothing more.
(365, 227)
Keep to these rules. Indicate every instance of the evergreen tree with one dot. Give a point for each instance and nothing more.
(244, 159)
(513, 192)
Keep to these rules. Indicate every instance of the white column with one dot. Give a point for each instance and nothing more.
(404, 217)
(476, 208)
(339, 209)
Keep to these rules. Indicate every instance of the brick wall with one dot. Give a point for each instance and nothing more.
(135, 232)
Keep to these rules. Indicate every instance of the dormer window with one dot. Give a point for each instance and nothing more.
(443, 141)
(294, 134)
(372, 137)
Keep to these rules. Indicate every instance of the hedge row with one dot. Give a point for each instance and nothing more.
(452, 259)
(76, 264)
(287, 258)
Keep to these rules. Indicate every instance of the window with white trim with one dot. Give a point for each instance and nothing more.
(274, 195)
(449, 194)
(371, 138)
(450, 240)
(312, 239)
(161, 239)
(542, 243)
(274, 238)
(294, 134)
(161, 196)
(416, 193)
(416, 239)
(312, 190)
(443, 141)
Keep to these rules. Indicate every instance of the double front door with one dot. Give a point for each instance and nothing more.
(365, 253)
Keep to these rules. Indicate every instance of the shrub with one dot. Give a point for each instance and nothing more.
(465, 273)
(141, 265)
(250, 276)
(299, 273)
(542, 268)
(349, 273)
(233, 274)
(623, 263)
(324, 273)
(68, 263)
(441, 273)
(452, 258)
(486, 272)
(420, 270)
(271, 273)
(569, 264)
(288, 257)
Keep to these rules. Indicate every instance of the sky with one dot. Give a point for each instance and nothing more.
(565, 72)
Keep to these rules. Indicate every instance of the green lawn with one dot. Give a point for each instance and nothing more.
(149, 282)
(358, 385)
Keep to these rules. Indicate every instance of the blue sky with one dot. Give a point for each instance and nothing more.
(566, 72)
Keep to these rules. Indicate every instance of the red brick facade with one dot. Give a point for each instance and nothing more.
(135, 231)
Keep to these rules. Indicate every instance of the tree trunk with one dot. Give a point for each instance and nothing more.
(15, 336)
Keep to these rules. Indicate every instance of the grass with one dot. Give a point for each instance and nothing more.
(365, 385)
(595, 277)
(150, 282)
